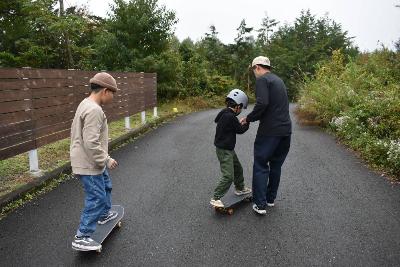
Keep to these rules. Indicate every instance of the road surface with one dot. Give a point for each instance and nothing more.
(331, 210)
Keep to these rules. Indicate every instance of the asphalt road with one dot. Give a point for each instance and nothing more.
(331, 210)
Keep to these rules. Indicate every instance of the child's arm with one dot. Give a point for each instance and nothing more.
(239, 128)
(91, 138)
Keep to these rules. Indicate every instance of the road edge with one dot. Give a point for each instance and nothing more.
(115, 144)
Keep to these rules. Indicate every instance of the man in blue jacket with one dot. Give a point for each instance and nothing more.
(273, 136)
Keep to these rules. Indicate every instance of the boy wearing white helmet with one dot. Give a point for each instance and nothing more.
(228, 126)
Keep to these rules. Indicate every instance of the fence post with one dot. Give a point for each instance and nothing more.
(155, 114)
(34, 162)
(127, 123)
(143, 117)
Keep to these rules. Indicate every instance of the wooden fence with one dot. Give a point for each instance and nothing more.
(37, 105)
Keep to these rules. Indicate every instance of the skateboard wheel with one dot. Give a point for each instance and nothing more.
(230, 211)
(99, 250)
(119, 224)
(218, 209)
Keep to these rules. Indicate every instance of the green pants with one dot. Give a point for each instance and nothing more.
(231, 170)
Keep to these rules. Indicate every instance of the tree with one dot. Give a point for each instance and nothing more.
(140, 29)
(296, 49)
(214, 52)
(138, 36)
(397, 44)
(13, 27)
(267, 27)
(243, 51)
(187, 49)
(31, 34)
(243, 35)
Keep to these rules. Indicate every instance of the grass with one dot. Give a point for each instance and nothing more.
(14, 172)
(359, 103)
(46, 187)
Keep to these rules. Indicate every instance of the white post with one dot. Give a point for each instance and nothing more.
(34, 162)
(143, 117)
(155, 112)
(127, 123)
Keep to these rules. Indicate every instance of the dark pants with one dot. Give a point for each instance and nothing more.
(269, 154)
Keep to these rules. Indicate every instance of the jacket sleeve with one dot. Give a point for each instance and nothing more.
(92, 124)
(262, 101)
(239, 128)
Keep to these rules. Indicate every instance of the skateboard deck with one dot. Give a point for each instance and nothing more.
(230, 200)
(103, 230)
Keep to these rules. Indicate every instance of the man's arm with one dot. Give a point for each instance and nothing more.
(262, 100)
(93, 122)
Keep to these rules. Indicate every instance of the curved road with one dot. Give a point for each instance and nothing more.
(331, 210)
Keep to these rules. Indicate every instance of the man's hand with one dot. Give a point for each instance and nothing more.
(243, 121)
(112, 164)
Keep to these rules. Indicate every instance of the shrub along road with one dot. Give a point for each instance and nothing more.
(331, 210)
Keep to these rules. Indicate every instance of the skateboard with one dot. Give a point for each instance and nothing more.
(103, 230)
(230, 200)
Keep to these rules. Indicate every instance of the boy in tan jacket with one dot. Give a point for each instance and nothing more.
(90, 159)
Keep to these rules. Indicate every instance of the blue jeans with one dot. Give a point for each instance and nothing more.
(97, 201)
(269, 154)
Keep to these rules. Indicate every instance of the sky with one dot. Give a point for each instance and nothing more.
(371, 23)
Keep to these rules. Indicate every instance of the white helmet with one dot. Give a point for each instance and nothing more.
(239, 97)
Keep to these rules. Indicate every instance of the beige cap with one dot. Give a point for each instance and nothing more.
(261, 61)
(106, 80)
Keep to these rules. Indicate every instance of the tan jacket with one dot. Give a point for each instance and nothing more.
(89, 139)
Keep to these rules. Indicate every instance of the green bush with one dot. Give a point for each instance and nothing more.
(360, 102)
(219, 85)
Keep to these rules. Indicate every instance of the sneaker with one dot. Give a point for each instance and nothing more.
(258, 210)
(244, 191)
(110, 216)
(271, 204)
(85, 243)
(217, 203)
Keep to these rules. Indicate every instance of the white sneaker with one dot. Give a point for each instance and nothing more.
(244, 191)
(110, 216)
(258, 210)
(85, 244)
(271, 204)
(217, 203)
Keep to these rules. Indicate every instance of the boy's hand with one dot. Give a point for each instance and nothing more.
(112, 164)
